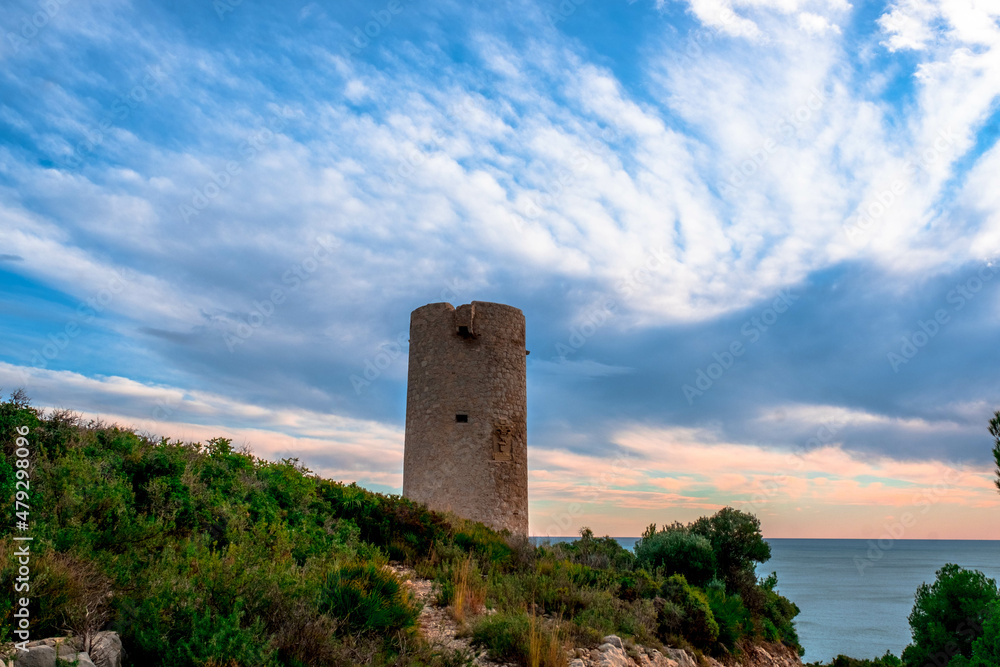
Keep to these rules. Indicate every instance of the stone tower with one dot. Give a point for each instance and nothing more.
(466, 405)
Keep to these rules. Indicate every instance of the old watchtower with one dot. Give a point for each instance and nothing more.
(466, 405)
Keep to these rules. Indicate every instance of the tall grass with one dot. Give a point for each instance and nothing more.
(469, 590)
(545, 649)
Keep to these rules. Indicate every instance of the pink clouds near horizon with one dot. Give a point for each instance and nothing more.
(652, 475)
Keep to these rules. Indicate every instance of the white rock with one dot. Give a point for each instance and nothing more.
(106, 649)
(614, 640)
(37, 656)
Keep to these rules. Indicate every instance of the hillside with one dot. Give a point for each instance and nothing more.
(197, 554)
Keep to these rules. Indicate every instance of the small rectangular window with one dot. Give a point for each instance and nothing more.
(462, 418)
(463, 331)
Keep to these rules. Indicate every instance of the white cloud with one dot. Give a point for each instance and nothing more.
(337, 447)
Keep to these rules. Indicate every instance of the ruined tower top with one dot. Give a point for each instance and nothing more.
(466, 409)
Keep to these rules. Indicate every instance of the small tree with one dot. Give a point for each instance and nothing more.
(949, 615)
(89, 607)
(738, 545)
(995, 432)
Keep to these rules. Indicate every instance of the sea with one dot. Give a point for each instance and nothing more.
(855, 595)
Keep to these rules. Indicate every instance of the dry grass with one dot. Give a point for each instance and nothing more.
(545, 649)
(469, 591)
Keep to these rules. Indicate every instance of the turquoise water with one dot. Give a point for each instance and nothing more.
(854, 595)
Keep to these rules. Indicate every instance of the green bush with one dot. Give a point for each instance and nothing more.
(949, 615)
(778, 612)
(698, 624)
(596, 552)
(219, 638)
(734, 619)
(505, 635)
(365, 598)
(636, 585)
(676, 550)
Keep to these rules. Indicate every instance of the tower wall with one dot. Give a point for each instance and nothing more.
(468, 361)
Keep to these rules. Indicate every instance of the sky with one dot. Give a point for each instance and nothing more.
(755, 241)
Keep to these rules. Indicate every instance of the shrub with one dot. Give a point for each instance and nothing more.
(519, 638)
(948, 616)
(636, 585)
(675, 550)
(504, 635)
(734, 619)
(778, 611)
(365, 598)
(596, 552)
(219, 639)
(698, 624)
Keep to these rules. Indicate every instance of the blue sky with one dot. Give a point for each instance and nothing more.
(754, 240)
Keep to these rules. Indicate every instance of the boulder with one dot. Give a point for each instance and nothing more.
(682, 658)
(106, 649)
(613, 656)
(36, 656)
(614, 640)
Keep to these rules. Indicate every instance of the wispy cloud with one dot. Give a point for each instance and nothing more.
(280, 196)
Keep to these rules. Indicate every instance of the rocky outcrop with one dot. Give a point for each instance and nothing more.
(105, 651)
(614, 653)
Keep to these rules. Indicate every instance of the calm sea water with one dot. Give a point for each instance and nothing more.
(855, 597)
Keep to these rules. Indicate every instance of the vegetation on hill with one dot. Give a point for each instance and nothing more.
(198, 554)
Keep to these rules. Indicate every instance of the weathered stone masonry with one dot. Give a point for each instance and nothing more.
(466, 409)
